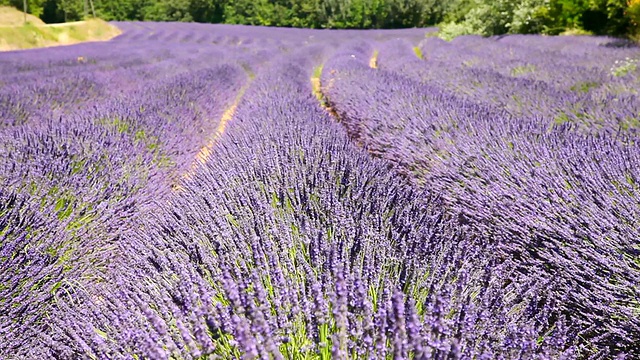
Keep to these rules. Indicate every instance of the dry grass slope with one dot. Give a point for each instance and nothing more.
(11, 17)
(16, 35)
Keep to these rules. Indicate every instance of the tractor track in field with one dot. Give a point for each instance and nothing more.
(373, 61)
(319, 91)
(204, 154)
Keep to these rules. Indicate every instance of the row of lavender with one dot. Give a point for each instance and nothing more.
(557, 198)
(588, 82)
(89, 138)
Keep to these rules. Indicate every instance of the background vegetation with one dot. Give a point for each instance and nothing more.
(455, 17)
(15, 34)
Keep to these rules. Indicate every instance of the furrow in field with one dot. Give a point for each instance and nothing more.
(321, 90)
(205, 152)
(373, 61)
(316, 86)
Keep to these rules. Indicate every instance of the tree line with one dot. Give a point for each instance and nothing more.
(455, 17)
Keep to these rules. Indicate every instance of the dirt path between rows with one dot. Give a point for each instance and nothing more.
(205, 152)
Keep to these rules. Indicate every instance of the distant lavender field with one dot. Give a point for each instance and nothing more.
(190, 191)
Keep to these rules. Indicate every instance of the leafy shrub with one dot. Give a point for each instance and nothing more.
(633, 13)
(452, 30)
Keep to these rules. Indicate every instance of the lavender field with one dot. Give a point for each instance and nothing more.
(190, 191)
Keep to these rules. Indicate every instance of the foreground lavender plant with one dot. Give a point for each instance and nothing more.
(550, 198)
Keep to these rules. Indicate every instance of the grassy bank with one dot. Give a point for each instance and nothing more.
(16, 35)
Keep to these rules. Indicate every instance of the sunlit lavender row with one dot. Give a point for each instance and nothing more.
(190, 191)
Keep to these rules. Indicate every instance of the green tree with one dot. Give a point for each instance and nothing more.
(121, 9)
(485, 17)
(167, 10)
(34, 7)
(207, 11)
